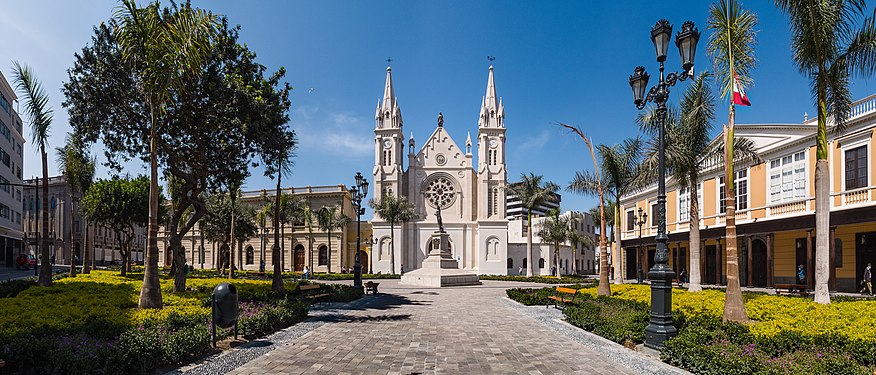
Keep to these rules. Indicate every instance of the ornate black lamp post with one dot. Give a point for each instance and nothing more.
(640, 222)
(660, 328)
(357, 193)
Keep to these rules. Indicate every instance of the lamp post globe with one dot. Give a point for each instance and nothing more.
(661, 275)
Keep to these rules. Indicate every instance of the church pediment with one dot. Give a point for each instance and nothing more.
(441, 151)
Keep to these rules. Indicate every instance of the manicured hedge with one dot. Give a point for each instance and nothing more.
(533, 297)
(90, 324)
(542, 279)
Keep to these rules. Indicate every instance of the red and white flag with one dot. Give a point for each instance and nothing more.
(739, 96)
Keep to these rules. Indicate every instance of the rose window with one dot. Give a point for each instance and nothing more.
(440, 192)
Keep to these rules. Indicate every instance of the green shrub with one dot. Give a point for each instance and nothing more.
(569, 279)
(539, 296)
(620, 321)
(11, 288)
(267, 319)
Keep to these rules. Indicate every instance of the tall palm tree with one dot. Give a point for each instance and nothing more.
(329, 218)
(619, 169)
(556, 230)
(532, 193)
(394, 209)
(828, 48)
(731, 46)
(262, 215)
(165, 50)
(688, 148)
(78, 167)
(36, 107)
(310, 222)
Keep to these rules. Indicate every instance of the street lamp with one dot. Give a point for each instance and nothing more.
(357, 193)
(640, 222)
(660, 328)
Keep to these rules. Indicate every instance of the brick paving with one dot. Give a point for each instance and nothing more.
(404, 330)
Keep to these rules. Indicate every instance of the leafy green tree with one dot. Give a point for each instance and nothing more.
(165, 50)
(310, 222)
(331, 217)
(556, 229)
(619, 170)
(829, 45)
(120, 204)
(231, 114)
(394, 209)
(78, 167)
(217, 224)
(39, 114)
(532, 193)
(731, 46)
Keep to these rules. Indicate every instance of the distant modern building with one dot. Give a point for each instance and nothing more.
(577, 258)
(516, 209)
(11, 144)
(64, 214)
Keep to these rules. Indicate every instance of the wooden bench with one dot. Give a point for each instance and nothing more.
(565, 296)
(313, 292)
(796, 289)
(371, 286)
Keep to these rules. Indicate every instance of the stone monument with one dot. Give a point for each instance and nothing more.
(439, 268)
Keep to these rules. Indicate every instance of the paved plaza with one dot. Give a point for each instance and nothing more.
(464, 330)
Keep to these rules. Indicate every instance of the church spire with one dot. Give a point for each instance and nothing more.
(492, 109)
(388, 114)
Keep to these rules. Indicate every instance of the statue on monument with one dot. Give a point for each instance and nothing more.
(440, 223)
(440, 120)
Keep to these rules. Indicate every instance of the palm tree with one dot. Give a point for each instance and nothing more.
(555, 229)
(394, 210)
(262, 215)
(165, 50)
(532, 194)
(688, 148)
(287, 211)
(310, 222)
(828, 48)
(619, 170)
(36, 107)
(329, 218)
(731, 47)
(75, 163)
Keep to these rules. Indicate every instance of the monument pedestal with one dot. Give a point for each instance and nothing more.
(439, 268)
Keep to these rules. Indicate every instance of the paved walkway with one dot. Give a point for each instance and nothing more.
(405, 330)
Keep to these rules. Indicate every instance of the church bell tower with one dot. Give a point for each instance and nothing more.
(388, 143)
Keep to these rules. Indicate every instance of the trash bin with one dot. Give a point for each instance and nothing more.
(225, 309)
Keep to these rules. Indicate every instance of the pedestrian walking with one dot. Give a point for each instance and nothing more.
(681, 275)
(402, 269)
(866, 281)
(520, 271)
(306, 272)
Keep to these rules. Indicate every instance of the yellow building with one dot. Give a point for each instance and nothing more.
(775, 208)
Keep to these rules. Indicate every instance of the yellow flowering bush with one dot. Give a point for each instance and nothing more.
(769, 314)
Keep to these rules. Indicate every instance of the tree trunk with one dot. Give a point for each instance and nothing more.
(695, 284)
(557, 258)
(328, 264)
(529, 266)
(45, 277)
(277, 279)
(574, 258)
(822, 206)
(619, 253)
(179, 261)
(86, 255)
(231, 242)
(283, 246)
(734, 306)
(150, 292)
(124, 253)
(392, 247)
(72, 237)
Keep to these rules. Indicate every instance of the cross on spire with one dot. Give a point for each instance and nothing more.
(389, 61)
(491, 58)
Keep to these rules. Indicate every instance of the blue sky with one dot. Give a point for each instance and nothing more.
(555, 62)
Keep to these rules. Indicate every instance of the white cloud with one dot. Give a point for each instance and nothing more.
(337, 133)
(535, 143)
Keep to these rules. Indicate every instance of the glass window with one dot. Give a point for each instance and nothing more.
(631, 220)
(653, 215)
(323, 255)
(4, 103)
(741, 185)
(788, 178)
(684, 202)
(856, 168)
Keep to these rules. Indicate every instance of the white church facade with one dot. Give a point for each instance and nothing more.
(469, 191)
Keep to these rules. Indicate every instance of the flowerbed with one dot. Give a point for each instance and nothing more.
(785, 336)
(91, 323)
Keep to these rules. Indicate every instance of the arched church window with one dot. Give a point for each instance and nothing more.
(440, 191)
(510, 263)
(541, 263)
(323, 255)
(250, 255)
